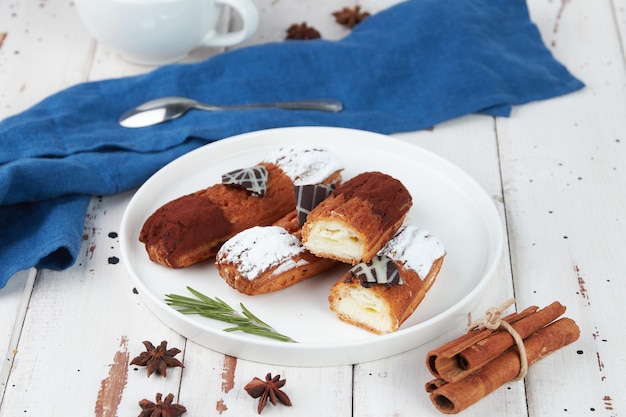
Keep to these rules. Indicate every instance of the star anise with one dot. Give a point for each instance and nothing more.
(157, 359)
(302, 31)
(270, 388)
(350, 17)
(161, 408)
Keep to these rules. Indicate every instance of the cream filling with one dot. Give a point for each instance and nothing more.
(363, 306)
(334, 238)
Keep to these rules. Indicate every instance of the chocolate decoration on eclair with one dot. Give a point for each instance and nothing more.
(309, 196)
(253, 179)
(380, 270)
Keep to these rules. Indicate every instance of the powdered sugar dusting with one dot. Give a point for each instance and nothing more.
(306, 164)
(415, 248)
(257, 249)
(288, 265)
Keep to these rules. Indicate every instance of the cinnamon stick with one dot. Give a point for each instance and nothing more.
(456, 367)
(434, 384)
(454, 347)
(453, 397)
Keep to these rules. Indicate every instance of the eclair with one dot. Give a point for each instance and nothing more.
(380, 295)
(357, 219)
(267, 259)
(192, 228)
(261, 260)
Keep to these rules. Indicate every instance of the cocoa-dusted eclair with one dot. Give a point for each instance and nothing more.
(358, 218)
(380, 295)
(192, 228)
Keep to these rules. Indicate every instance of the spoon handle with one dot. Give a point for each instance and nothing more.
(328, 105)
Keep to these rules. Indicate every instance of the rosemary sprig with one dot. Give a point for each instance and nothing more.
(216, 309)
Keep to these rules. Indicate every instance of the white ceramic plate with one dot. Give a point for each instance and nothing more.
(446, 201)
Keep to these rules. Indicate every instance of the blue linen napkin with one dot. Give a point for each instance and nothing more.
(409, 67)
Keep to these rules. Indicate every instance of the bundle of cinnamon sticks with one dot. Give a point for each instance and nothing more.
(472, 366)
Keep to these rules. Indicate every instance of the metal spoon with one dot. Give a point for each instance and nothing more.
(168, 108)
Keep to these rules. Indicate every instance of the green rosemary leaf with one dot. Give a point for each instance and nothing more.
(251, 316)
(217, 309)
(260, 332)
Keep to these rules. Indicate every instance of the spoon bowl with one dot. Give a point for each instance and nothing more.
(169, 108)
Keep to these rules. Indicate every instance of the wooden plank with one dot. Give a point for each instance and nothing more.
(398, 382)
(470, 143)
(44, 51)
(222, 378)
(620, 19)
(39, 54)
(14, 298)
(563, 163)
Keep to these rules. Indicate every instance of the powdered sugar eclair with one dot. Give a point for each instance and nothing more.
(261, 260)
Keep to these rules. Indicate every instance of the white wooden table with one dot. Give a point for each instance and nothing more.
(556, 170)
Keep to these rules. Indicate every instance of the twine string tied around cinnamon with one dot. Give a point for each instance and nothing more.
(493, 321)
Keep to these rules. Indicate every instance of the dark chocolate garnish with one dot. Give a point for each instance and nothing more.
(253, 179)
(379, 271)
(308, 197)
